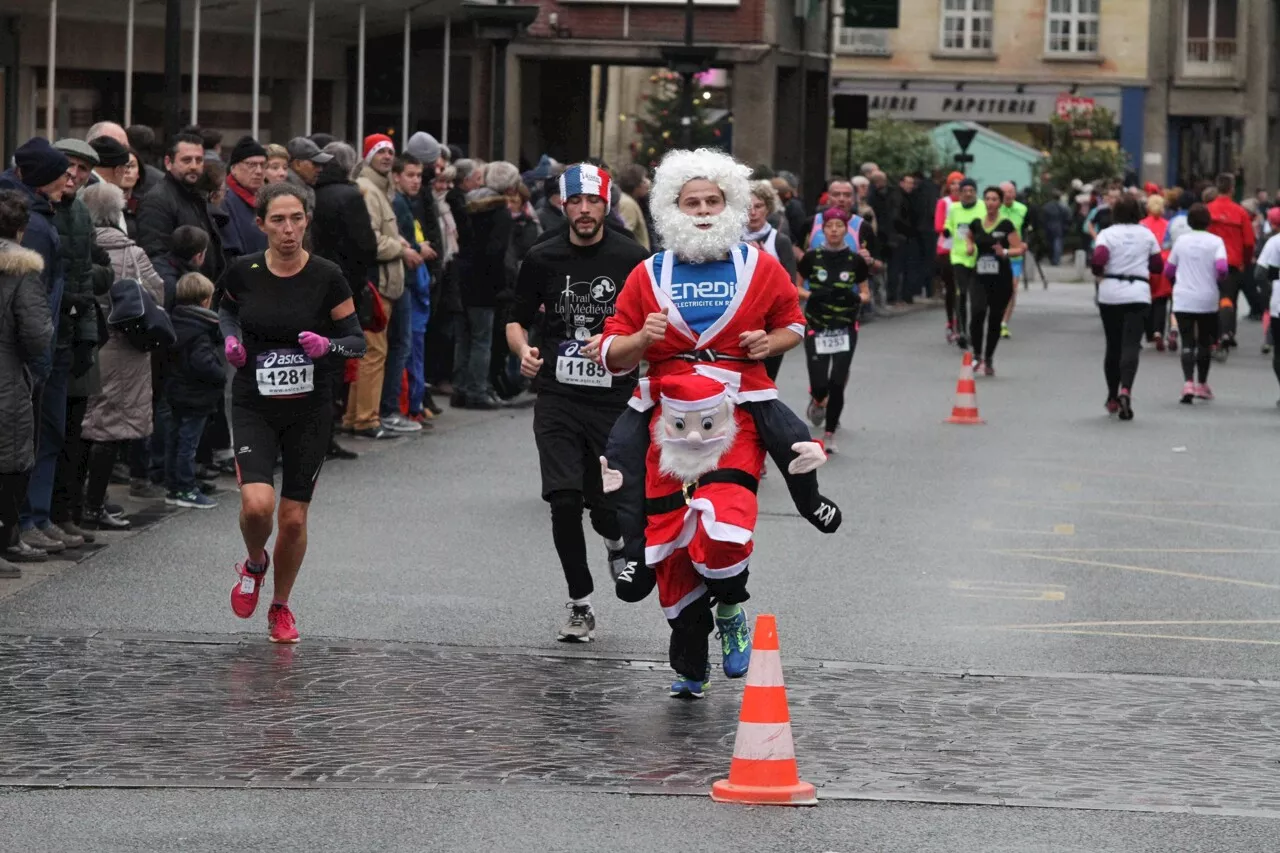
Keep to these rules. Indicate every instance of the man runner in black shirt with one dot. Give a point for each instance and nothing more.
(574, 278)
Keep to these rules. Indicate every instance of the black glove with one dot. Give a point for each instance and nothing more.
(82, 358)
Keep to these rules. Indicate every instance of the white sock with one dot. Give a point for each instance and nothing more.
(582, 602)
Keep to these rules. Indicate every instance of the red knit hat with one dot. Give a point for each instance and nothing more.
(375, 142)
(692, 392)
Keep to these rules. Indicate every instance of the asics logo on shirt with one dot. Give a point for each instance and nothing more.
(690, 291)
(283, 359)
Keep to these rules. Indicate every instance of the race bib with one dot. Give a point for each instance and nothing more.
(573, 368)
(285, 373)
(831, 342)
(988, 265)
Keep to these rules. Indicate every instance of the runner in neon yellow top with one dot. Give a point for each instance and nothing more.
(959, 217)
(1016, 212)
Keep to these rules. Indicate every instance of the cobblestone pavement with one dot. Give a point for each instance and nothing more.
(193, 712)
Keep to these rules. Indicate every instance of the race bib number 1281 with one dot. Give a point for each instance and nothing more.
(285, 373)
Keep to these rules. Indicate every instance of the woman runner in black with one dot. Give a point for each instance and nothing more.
(996, 240)
(289, 320)
(835, 289)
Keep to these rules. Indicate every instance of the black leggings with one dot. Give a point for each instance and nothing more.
(1275, 352)
(829, 374)
(1123, 327)
(948, 287)
(571, 542)
(988, 301)
(1158, 318)
(966, 280)
(1199, 336)
(13, 491)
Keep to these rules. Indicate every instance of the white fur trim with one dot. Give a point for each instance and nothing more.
(706, 404)
(727, 572)
(718, 530)
(693, 595)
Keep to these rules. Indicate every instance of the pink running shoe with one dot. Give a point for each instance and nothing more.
(281, 625)
(1203, 392)
(1188, 392)
(244, 595)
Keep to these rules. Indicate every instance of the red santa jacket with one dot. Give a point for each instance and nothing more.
(766, 299)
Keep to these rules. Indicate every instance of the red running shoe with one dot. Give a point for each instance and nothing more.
(1113, 406)
(280, 624)
(244, 595)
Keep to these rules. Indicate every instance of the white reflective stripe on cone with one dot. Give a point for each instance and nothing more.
(966, 401)
(765, 669)
(764, 742)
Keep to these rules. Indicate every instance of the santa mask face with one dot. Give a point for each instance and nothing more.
(700, 201)
(692, 442)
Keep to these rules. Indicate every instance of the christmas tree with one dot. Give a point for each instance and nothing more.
(660, 128)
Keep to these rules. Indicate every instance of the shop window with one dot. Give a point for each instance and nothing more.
(966, 26)
(1073, 28)
(1210, 44)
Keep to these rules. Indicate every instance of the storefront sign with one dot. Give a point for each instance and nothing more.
(988, 104)
(1069, 105)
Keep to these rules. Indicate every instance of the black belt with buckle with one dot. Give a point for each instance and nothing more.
(680, 499)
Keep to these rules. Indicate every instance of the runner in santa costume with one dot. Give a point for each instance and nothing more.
(686, 457)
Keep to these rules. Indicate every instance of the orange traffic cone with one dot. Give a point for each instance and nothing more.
(965, 411)
(764, 771)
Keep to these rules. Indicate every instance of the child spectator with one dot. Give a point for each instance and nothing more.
(197, 377)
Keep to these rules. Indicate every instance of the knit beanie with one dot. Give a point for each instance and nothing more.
(375, 142)
(425, 147)
(39, 162)
(111, 154)
(247, 147)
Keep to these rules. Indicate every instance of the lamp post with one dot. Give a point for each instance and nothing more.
(687, 60)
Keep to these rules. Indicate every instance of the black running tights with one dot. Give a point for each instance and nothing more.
(1158, 317)
(1199, 335)
(987, 302)
(1123, 327)
(571, 542)
(829, 374)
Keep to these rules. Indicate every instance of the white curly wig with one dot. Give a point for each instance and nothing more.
(677, 169)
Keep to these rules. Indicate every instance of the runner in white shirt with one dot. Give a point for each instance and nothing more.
(1124, 256)
(1196, 265)
(1269, 270)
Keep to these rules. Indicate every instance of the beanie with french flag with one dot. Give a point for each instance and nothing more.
(585, 179)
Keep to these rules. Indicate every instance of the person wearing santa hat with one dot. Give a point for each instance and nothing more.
(713, 308)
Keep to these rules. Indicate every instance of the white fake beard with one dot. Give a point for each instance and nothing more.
(686, 463)
(681, 235)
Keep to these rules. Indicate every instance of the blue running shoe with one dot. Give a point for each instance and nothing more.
(688, 688)
(735, 643)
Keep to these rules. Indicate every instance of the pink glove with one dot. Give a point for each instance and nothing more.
(313, 345)
(236, 355)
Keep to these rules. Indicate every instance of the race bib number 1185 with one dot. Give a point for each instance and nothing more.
(573, 368)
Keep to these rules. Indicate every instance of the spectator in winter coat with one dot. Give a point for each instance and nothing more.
(186, 255)
(340, 227)
(633, 182)
(26, 332)
(482, 275)
(551, 208)
(123, 411)
(1056, 218)
(176, 201)
(40, 175)
(196, 379)
(248, 169)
